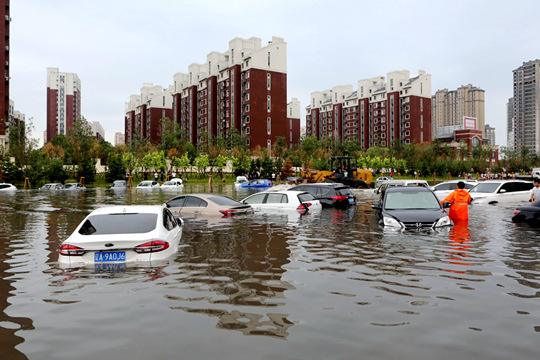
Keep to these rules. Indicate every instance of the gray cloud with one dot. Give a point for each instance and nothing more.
(115, 46)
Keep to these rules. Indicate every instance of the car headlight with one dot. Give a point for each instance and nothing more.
(444, 221)
(391, 222)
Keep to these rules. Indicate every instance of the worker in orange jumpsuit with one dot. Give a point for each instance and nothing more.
(459, 200)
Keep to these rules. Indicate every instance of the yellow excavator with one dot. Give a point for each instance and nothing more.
(345, 171)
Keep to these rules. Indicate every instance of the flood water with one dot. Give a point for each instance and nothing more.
(328, 286)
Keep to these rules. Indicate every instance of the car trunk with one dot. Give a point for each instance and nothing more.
(118, 241)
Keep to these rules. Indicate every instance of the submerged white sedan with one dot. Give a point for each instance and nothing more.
(283, 200)
(123, 234)
(501, 191)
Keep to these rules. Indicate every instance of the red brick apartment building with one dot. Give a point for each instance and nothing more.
(144, 113)
(380, 112)
(4, 80)
(63, 102)
(243, 88)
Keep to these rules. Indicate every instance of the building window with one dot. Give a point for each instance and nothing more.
(246, 119)
(269, 59)
(269, 126)
(268, 81)
(269, 145)
(268, 104)
(247, 130)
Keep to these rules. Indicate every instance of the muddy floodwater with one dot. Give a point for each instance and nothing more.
(322, 286)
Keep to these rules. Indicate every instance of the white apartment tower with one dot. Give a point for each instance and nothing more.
(63, 102)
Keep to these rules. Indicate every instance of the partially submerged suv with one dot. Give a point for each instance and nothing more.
(329, 194)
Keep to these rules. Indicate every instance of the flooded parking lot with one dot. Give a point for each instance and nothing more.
(322, 286)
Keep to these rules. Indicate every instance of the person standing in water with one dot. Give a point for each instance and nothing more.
(459, 200)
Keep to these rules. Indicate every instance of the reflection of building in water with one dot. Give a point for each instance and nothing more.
(240, 266)
(10, 224)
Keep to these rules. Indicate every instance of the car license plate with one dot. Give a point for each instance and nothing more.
(109, 256)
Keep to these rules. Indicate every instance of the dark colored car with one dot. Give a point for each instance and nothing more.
(410, 208)
(329, 194)
(528, 214)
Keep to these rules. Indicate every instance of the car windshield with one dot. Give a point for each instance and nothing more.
(305, 197)
(224, 201)
(124, 223)
(485, 188)
(344, 191)
(445, 186)
(169, 183)
(410, 200)
(145, 183)
(119, 183)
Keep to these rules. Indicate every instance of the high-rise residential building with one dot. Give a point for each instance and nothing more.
(243, 89)
(97, 130)
(4, 80)
(379, 113)
(510, 124)
(119, 138)
(450, 107)
(145, 113)
(526, 109)
(63, 102)
(293, 122)
(489, 135)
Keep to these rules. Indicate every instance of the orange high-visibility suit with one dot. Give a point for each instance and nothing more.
(459, 200)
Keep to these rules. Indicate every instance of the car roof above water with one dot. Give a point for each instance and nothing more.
(151, 209)
(407, 189)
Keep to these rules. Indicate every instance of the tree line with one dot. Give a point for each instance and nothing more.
(74, 155)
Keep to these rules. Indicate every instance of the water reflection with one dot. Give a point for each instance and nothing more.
(11, 224)
(311, 286)
(242, 266)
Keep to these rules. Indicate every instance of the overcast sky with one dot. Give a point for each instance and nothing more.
(115, 46)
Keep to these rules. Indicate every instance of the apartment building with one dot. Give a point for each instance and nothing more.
(293, 122)
(380, 112)
(97, 130)
(450, 107)
(119, 139)
(489, 135)
(243, 89)
(4, 80)
(510, 124)
(526, 106)
(144, 113)
(63, 102)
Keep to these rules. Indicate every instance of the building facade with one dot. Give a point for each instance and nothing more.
(293, 122)
(144, 113)
(489, 135)
(97, 130)
(449, 107)
(243, 90)
(63, 102)
(510, 124)
(4, 80)
(380, 112)
(119, 139)
(526, 106)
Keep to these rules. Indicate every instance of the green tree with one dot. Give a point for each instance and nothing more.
(182, 162)
(115, 167)
(202, 162)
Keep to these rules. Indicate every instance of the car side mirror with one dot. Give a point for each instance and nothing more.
(180, 221)
(446, 205)
(375, 205)
(502, 191)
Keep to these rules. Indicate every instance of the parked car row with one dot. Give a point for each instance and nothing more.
(66, 186)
